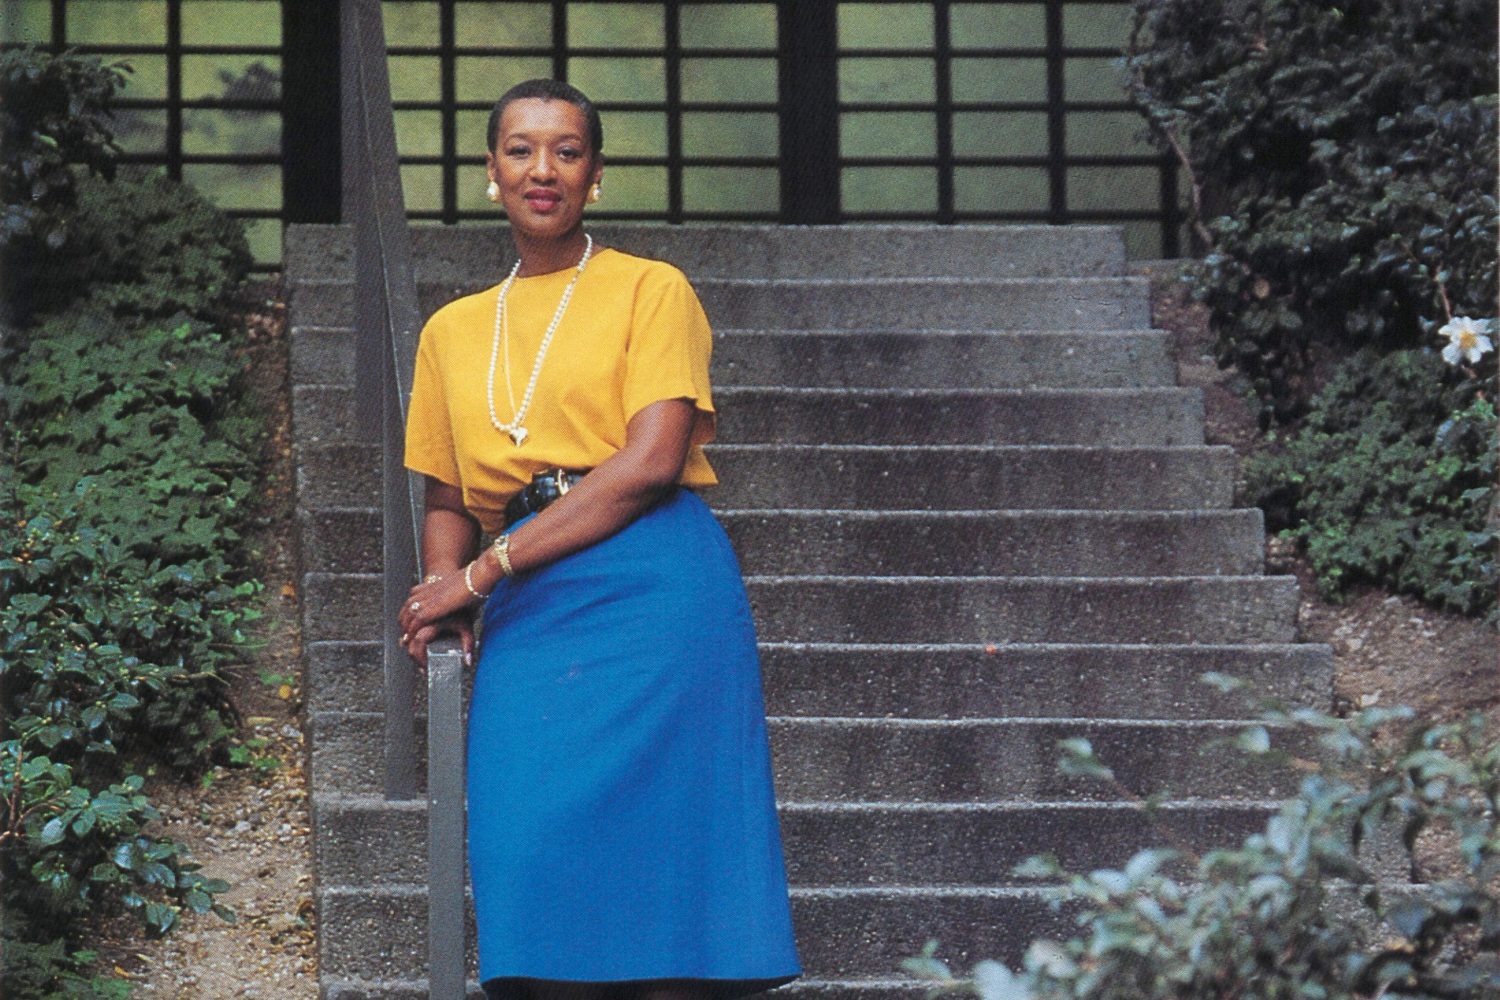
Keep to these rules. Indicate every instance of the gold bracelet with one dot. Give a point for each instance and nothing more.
(501, 546)
(469, 582)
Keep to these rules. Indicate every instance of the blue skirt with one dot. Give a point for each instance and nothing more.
(621, 816)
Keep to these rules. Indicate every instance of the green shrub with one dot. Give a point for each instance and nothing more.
(1294, 911)
(146, 247)
(122, 598)
(1390, 480)
(126, 464)
(1343, 167)
(53, 112)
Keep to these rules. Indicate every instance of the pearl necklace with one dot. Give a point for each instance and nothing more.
(514, 429)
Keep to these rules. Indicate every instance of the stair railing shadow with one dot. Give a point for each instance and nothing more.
(387, 323)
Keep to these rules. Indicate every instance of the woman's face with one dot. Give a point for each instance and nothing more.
(544, 164)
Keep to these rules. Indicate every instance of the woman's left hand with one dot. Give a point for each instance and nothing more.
(429, 602)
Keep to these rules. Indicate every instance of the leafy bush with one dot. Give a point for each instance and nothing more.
(53, 112)
(148, 248)
(1295, 911)
(1342, 164)
(1390, 479)
(126, 465)
(121, 599)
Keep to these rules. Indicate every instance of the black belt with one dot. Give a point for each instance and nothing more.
(544, 488)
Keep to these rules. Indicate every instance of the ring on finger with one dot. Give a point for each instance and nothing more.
(416, 605)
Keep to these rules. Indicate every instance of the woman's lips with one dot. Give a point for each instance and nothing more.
(543, 201)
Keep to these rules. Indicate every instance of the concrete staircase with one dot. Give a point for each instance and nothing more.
(975, 517)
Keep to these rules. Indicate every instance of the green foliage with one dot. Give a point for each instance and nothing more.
(53, 112)
(1295, 911)
(1391, 479)
(121, 598)
(55, 971)
(1343, 161)
(126, 471)
(83, 842)
(147, 248)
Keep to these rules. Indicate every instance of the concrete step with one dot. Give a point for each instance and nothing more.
(998, 543)
(1083, 303)
(483, 253)
(321, 355)
(844, 933)
(963, 477)
(916, 543)
(948, 359)
(874, 359)
(854, 477)
(907, 609)
(1158, 417)
(1154, 417)
(908, 988)
(957, 680)
(841, 759)
(999, 610)
(366, 841)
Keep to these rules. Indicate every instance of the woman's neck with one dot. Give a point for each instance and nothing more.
(546, 256)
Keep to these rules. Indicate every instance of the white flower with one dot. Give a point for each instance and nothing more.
(1467, 339)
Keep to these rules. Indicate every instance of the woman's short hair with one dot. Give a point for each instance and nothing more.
(548, 90)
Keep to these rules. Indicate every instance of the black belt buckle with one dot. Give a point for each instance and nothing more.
(544, 488)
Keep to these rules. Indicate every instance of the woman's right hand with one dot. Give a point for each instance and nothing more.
(458, 624)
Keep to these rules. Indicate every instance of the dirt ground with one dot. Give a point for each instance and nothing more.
(1388, 650)
(248, 825)
(251, 826)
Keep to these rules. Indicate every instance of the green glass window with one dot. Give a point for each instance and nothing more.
(634, 189)
(228, 22)
(236, 186)
(865, 80)
(888, 133)
(746, 133)
(994, 26)
(885, 26)
(210, 130)
(117, 22)
(731, 189)
(728, 25)
(1001, 189)
(624, 78)
(739, 81)
(617, 26)
(501, 25)
(889, 189)
(999, 133)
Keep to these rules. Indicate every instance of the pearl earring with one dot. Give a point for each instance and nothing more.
(595, 193)
(492, 192)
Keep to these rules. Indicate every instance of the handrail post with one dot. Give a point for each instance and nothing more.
(445, 826)
(387, 321)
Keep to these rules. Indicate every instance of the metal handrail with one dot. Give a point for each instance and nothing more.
(387, 324)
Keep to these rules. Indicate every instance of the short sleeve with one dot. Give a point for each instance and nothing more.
(667, 355)
(429, 428)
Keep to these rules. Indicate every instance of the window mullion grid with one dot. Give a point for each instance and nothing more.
(174, 89)
(1056, 119)
(448, 95)
(559, 40)
(944, 111)
(674, 110)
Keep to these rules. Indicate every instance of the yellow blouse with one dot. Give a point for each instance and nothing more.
(634, 333)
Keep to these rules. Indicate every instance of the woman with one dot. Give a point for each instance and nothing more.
(622, 827)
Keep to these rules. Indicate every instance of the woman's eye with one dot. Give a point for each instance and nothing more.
(517, 151)
(570, 153)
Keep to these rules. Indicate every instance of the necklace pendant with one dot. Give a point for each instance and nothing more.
(518, 435)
